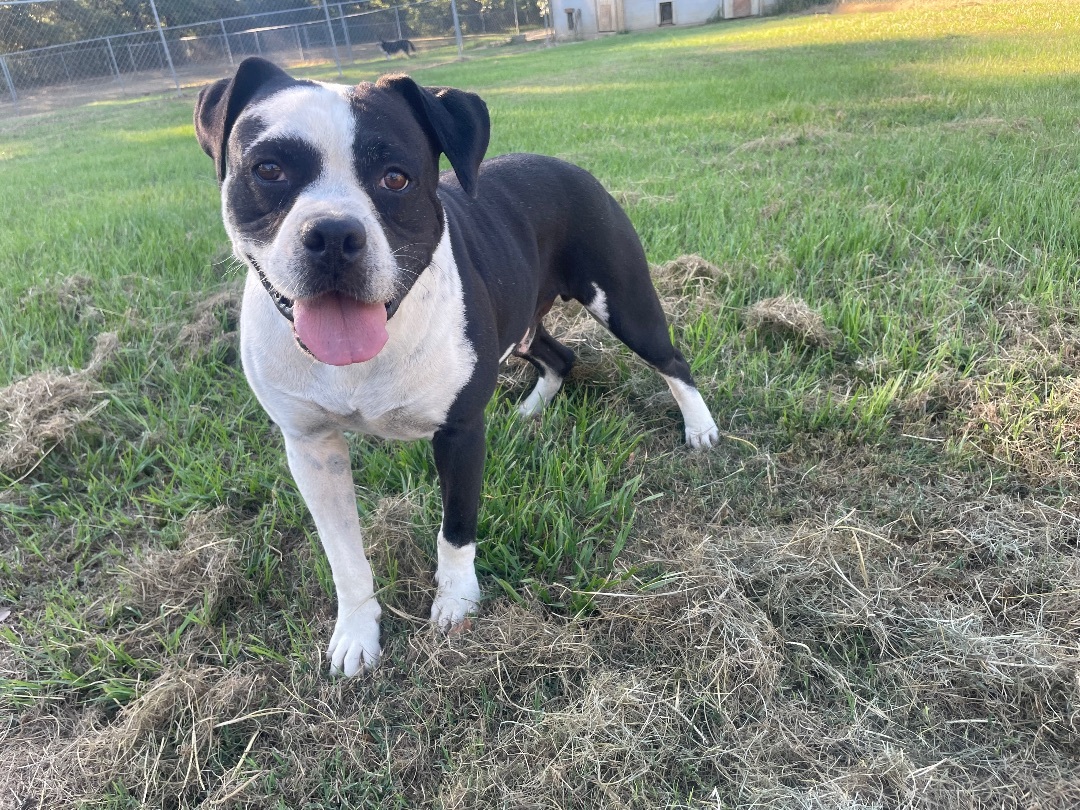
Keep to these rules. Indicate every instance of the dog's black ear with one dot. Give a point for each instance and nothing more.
(458, 122)
(221, 103)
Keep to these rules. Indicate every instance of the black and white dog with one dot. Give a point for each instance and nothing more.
(389, 48)
(382, 297)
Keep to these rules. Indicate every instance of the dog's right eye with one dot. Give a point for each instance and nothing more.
(394, 181)
(269, 172)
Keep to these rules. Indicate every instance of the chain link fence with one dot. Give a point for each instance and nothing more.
(56, 53)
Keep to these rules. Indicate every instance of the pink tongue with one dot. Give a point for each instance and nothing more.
(338, 329)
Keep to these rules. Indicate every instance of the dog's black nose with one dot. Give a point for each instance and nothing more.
(334, 240)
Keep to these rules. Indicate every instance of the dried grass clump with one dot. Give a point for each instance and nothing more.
(947, 661)
(203, 571)
(165, 745)
(507, 651)
(697, 621)
(205, 330)
(776, 143)
(42, 410)
(74, 296)
(688, 284)
(788, 317)
(686, 268)
(637, 197)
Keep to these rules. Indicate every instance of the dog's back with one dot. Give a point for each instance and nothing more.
(569, 220)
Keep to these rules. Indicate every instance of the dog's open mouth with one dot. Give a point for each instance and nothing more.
(333, 327)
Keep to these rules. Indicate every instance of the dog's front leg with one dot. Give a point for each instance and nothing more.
(459, 459)
(320, 465)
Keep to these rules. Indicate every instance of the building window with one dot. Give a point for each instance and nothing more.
(667, 14)
(570, 19)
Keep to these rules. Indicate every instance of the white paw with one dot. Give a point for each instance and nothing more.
(452, 606)
(459, 592)
(701, 438)
(354, 647)
(546, 389)
(532, 406)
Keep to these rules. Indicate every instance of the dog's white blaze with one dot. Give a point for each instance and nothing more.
(701, 430)
(394, 395)
(321, 116)
(458, 590)
(598, 307)
(318, 114)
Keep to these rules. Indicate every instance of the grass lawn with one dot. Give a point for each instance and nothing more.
(867, 597)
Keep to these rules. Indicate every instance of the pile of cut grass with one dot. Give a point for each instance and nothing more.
(867, 596)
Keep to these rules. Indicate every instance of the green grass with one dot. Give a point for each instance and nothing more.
(882, 550)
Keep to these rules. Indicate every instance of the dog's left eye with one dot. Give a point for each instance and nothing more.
(395, 181)
(270, 172)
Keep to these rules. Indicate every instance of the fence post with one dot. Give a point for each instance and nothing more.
(397, 19)
(165, 46)
(63, 63)
(345, 30)
(299, 44)
(225, 39)
(115, 67)
(10, 82)
(517, 28)
(457, 30)
(258, 45)
(333, 41)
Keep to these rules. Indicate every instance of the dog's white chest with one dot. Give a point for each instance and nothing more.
(404, 392)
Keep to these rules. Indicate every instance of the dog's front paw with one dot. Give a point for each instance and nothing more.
(455, 600)
(702, 437)
(451, 606)
(459, 592)
(354, 647)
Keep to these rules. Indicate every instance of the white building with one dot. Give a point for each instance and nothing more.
(585, 19)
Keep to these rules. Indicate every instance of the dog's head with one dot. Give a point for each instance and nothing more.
(329, 192)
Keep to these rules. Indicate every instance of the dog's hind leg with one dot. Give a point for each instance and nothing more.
(553, 362)
(638, 320)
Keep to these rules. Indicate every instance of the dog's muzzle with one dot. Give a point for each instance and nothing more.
(333, 326)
